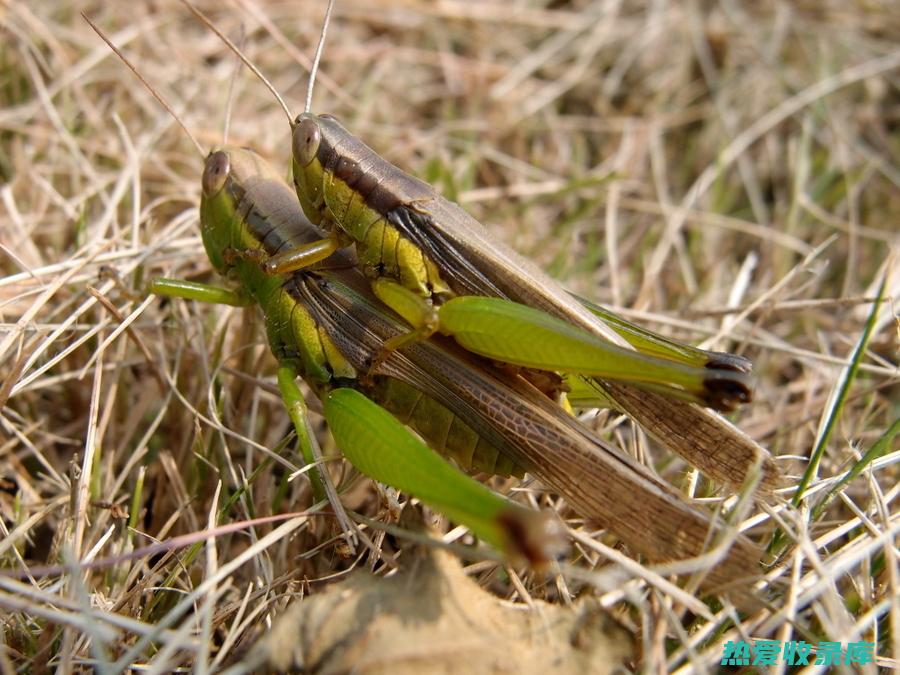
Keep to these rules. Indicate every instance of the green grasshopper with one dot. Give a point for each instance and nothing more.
(423, 253)
(344, 185)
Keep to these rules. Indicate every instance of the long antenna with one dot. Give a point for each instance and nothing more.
(153, 92)
(233, 47)
(232, 89)
(318, 56)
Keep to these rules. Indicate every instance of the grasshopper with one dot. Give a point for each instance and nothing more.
(423, 253)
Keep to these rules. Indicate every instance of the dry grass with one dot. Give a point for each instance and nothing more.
(723, 171)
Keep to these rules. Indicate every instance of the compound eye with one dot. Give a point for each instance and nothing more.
(215, 173)
(305, 141)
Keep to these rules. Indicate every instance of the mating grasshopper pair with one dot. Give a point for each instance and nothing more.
(432, 263)
(420, 249)
(325, 325)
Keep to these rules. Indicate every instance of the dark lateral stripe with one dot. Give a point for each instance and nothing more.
(358, 166)
(266, 234)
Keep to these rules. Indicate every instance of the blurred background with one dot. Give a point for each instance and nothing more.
(723, 172)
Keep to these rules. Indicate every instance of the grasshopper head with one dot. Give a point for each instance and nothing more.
(217, 207)
(306, 165)
(248, 209)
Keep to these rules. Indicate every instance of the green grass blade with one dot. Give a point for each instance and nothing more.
(833, 411)
(878, 448)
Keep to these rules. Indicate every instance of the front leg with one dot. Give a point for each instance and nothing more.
(292, 260)
(192, 290)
